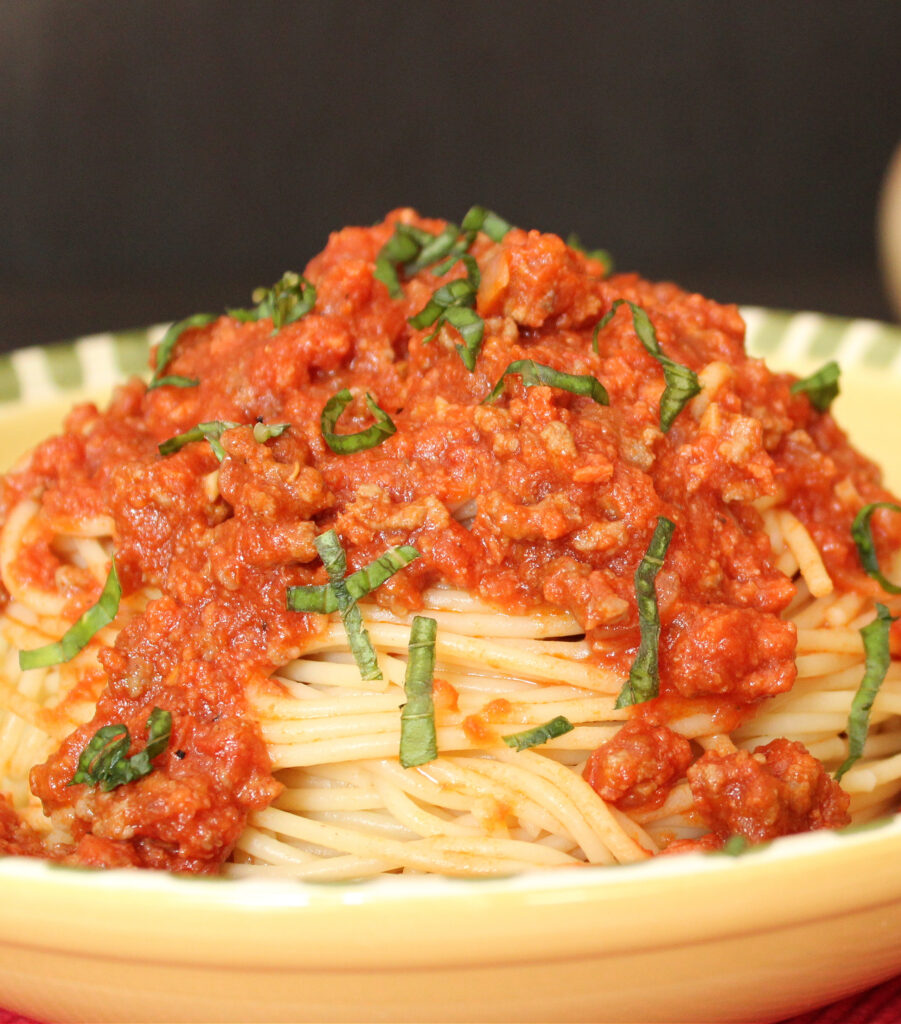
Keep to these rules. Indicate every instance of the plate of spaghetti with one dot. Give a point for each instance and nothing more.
(464, 608)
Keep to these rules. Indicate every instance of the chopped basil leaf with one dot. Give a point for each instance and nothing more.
(103, 761)
(456, 254)
(534, 374)
(174, 380)
(736, 845)
(480, 219)
(459, 293)
(263, 432)
(436, 248)
(866, 548)
(558, 726)
(290, 298)
(414, 249)
(878, 658)
(602, 323)
(601, 255)
(418, 742)
(820, 387)
(210, 431)
(454, 303)
(78, 635)
(335, 561)
(681, 382)
(345, 444)
(644, 677)
(322, 600)
(167, 346)
(402, 248)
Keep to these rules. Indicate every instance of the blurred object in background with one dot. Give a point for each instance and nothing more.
(890, 231)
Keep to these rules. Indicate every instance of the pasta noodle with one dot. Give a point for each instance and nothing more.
(282, 755)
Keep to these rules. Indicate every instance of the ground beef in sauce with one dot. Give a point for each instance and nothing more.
(776, 790)
(543, 497)
(638, 766)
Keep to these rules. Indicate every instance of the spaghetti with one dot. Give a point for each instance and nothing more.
(455, 554)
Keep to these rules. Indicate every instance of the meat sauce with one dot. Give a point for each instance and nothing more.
(543, 497)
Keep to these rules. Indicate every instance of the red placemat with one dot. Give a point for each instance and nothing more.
(880, 1005)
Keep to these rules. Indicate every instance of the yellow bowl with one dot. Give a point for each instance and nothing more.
(695, 938)
(683, 939)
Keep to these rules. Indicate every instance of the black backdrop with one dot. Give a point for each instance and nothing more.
(159, 157)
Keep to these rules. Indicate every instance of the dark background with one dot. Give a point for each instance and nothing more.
(159, 158)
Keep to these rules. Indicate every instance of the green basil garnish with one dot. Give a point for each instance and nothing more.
(403, 248)
(335, 561)
(435, 248)
(601, 255)
(263, 432)
(290, 298)
(477, 219)
(345, 444)
(414, 249)
(862, 535)
(487, 221)
(820, 387)
(558, 726)
(210, 431)
(103, 761)
(418, 742)
(738, 845)
(78, 635)
(681, 383)
(735, 846)
(878, 658)
(167, 346)
(644, 675)
(214, 429)
(321, 599)
(454, 303)
(534, 374)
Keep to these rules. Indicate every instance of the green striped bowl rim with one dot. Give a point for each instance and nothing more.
(98, 361)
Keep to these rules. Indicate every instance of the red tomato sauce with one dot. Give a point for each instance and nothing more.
(543, 497)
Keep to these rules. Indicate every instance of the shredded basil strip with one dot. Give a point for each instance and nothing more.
(290, 298)
(210, 431)
(681, 382)
(878, 658)
(345, 444)
(735, 846)
(402, 248)
(437, 247)
(862, 535)
(174, 380)
(321, 599)
(335, 561)
(558, 726)
(820, 387)
(534, 374)
(167, 346)
(644, 677)
(454, 303)
(103, 761)
(414, 248)
(479, 219)
(418, 741)
(601, 255)
(263, 432)
(80, 633)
